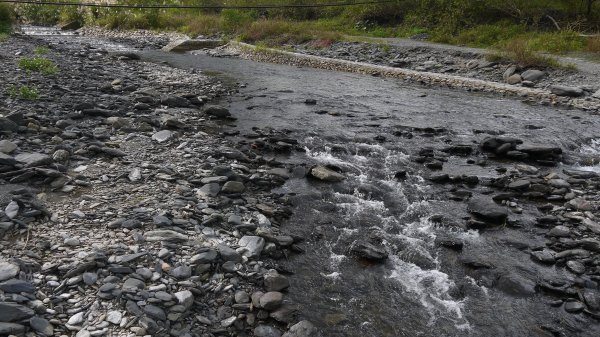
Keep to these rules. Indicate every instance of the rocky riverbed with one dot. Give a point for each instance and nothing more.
(148, 198)
(567, 82)
(128, 210)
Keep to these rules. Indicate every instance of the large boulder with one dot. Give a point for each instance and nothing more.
(533, 75)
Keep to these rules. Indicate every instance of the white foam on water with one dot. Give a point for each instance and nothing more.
(431, 288)
(593, 150)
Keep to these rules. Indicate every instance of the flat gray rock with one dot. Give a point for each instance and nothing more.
(563, 90)
(8, 270)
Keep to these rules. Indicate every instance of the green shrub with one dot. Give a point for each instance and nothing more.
(38, 64)
(23, 92)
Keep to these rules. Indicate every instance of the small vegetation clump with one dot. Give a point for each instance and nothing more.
(42, 50)
(518, 51)
(23, 92)
(38, 64)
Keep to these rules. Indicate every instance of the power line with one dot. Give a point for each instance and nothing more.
(106, 5)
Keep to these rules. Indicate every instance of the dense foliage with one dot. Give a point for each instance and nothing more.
(483, 23)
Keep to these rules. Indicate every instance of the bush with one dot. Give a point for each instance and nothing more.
(38, 64)
(23, 92)
(518, 51)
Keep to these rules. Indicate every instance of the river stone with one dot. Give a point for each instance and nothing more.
(8, 125)
(217, 111)
(487, 210)
(233, 187)
(182, 272)
(275, 282)
(510, 71)
(162, 136)
(7, 160)
(155, 312)
(133, 285)
(514, 79)
(13, 312)
(325, 174)
(33, 159)
(12, 210)
(545, 256)
(560, 231)
(516, 285)
(521, 184)
(7, 146)
(83, 333)
(114, 317)
(369, 251)
(591, 298)
(596, 94)
(9, 329)
(17, 286)
(41, 325)
(271, 300)
(533, 75)
(563, 90)
(185, 298)
(301, 329)
(165, 235)
(574, 306)
(251, 246)
(76, 319)
(162, 221)
(205, 257)
(8, 270)
(580, 204)
(209, 190)
(229, 254)
(576, 267)
(241, 297)
(266, 331)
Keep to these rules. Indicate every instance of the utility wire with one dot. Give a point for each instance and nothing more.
(151, 6)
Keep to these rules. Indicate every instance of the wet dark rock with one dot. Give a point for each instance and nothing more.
(574, 307)
(182, 272)
(271, 300)
(217, 111)
(368, 251)
(516, 285)
(545, 256)
(488, 211)
(8, 329)
(41, 326)
(560, 231)
(33, 159)
(12, 312)
(155, 312)
(17, 286)
(273, 281)
(521, 184)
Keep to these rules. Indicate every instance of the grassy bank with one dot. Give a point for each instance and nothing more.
(554, 26)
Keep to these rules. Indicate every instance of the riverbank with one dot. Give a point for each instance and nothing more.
(127, 208)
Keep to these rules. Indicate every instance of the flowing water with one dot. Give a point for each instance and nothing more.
(422, 289)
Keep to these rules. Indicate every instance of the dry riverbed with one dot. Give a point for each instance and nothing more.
(126, 209)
